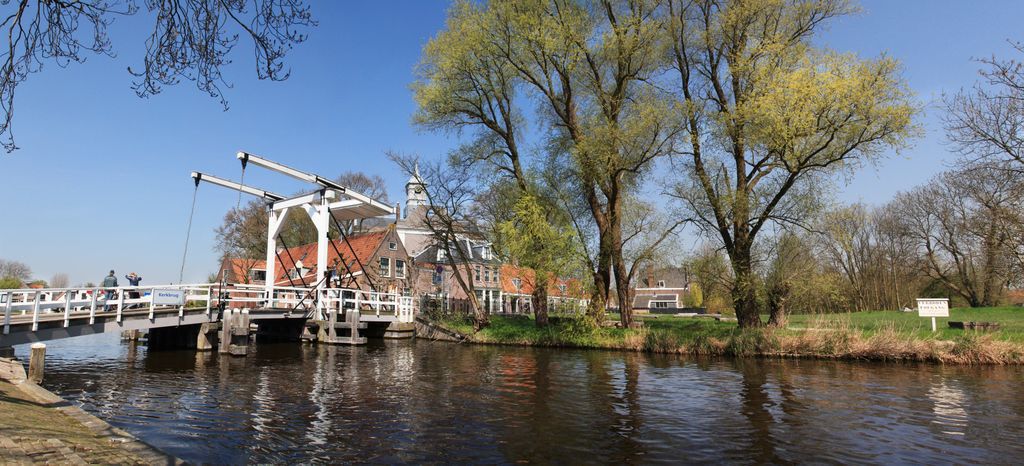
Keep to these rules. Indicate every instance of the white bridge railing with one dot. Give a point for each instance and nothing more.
(81, 302)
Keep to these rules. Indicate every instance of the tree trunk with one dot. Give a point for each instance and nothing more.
(540, 302)
(777, 299)
(602, 281)
(622, 289)
(744, 292)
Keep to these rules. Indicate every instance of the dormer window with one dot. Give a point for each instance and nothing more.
(661, 283)
(441, 255)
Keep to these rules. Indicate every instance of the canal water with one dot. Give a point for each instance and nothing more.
(419, 401)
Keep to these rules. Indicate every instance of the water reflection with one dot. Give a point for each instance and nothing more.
(950, 415)
(435, 402)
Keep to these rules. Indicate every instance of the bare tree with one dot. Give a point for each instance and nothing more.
(450, 194)
(986, 122)
(59, 280)
(190, 39)
(15, 269)
(964, 224)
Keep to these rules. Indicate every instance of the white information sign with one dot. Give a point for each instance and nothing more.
(169, 297)
(933, 307)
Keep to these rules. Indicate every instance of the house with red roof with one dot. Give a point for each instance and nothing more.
(519, 283)
(373, 261)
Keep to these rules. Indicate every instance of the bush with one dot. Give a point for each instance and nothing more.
(9, 283)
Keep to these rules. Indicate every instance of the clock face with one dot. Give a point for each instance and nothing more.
(418, 190)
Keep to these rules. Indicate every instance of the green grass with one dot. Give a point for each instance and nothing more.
(876, 335)
(1010, 319)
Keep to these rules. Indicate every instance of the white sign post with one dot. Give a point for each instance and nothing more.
(932, 307)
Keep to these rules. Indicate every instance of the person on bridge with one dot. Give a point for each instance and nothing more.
(109, 282)
(133, 279)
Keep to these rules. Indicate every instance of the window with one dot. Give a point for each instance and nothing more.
(393, 246)
(561, 288)
(487, 275)
(440, 255)
(659, 304)
(661, 283)
(476, 270)
(517, 283)
(385, 267)
(438, 276)
(496, 276)
(399, 269)
(258, 275)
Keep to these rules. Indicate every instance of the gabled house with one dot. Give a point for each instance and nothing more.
(437, 277)
(662, 290)
(370, 261)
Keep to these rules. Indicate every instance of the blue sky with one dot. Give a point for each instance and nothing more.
(101, 179)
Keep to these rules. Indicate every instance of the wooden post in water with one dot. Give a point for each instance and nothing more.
(36, 362)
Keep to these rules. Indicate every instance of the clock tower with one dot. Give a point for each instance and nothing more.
(415, 191)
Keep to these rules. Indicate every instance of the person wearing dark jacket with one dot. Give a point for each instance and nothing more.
(133, 279)
(109, 282)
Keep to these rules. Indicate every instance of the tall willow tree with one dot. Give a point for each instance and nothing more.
(770, 117)
(591, 69)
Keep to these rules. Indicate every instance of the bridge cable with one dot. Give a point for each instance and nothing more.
(294, 262)
(188, 231)
(241, 182)
(344, 262)
(366, 273)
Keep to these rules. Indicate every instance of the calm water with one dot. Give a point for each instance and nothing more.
(437, 402)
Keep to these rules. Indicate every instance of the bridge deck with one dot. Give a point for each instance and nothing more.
(50, 326)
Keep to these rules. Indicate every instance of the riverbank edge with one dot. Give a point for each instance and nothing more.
(767, 343)
(12, 372)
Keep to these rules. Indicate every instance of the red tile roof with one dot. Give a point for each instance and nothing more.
(362, 247)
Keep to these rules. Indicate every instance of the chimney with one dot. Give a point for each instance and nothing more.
(398, 212)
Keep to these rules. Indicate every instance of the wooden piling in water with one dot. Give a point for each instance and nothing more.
(36, 361)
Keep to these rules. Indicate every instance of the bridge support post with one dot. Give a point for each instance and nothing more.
(400, 330)
(36, 362)
(7, 352)
(234, 333)
(130, 335)
(207, 334)
(328, 332)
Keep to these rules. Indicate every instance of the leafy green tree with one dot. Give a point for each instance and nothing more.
(771, 118)
(10, 283)
(533, 241)
(590, 68)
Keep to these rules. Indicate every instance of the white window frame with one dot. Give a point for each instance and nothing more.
(662, 304)
(393, 246)
(384, 267)
(661, 283)
(399, 262)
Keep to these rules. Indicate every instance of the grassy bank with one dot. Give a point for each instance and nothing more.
(879, 335)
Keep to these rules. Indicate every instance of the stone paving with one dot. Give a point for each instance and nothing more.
(36, 427)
